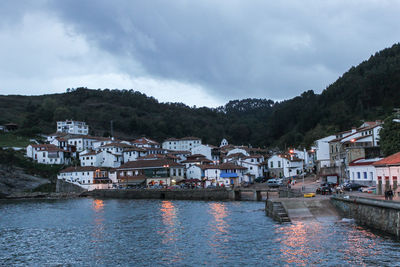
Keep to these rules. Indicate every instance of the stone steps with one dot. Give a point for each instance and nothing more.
(279, 213)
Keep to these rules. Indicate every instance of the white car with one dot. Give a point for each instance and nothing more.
(274, 182)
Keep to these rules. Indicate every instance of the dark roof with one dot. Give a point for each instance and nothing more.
(114, 144)
(80, 169)
(156, 163)
(230, 166)
(47, 147)
(89, 153)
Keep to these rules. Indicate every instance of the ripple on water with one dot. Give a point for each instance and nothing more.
(152, 232)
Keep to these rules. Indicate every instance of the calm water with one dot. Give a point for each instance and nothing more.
(150, 232)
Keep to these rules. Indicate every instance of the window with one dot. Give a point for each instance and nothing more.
(365, 175)
(279, 164)
(371, 176)
(272, 164)
(358, 175)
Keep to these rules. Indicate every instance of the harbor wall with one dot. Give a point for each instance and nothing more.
(170, 194)
(376, 214)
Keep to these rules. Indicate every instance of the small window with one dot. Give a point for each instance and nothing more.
(365, 175)
(358, 175)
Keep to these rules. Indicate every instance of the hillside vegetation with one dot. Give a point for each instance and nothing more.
(367, 92)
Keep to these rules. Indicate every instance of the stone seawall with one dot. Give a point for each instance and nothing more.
(377, 214)
(171, 194)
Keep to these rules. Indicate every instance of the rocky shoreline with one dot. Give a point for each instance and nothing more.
(40, 195)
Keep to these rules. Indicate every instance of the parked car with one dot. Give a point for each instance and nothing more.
(274, 183)
(324, 190)
(369, 190)
(260, 180)
(353, 186)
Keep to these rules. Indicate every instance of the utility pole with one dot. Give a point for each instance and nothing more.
(112, 128)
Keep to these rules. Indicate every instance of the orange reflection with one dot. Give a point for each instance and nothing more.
(219, 226)
(218, 210)
(295, 241)
(169, 220)
(98, 231)
(98, 205)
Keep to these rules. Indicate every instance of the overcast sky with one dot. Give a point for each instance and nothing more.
(202, 53)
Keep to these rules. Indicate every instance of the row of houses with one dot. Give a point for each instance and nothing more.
(354, 156)
(108, 162)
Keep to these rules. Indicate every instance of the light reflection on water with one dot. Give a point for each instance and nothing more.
(185, 233)
(219, 228)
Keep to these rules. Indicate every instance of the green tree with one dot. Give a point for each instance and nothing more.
(390, 136)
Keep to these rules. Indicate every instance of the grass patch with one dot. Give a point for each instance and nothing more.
(12, 140)
(10, 157)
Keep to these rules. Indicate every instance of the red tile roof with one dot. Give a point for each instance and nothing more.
(391, 160)
(156, 163)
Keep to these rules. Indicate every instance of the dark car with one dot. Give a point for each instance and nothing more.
(353, 187)
(324, 190)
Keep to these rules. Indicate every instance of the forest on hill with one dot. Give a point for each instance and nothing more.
(369, 91)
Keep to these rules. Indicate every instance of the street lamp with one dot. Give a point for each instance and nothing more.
(340, 160)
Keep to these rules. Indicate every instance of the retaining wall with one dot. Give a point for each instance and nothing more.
(181, 194)
(377, 214)
(66, 187)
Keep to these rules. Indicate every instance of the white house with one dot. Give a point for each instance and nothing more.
(238, 150)
(133, 153)
(284, 166)
(186, 143)
(362, 171)
(145, 142)
(255, 166)
(73, 127)
(387, 173)
(322, 151)
(155, 171)
(101, 142)
(87, 177)
(226, 174)
(196, 159)
(224, 142)
(195, 172)
(82, 142)
(100, 159)
(89, 158)
(203, 150)
(47, 154)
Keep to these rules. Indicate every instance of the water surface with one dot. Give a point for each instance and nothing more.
(110, 232)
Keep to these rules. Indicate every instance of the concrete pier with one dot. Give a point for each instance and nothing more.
(303, 209)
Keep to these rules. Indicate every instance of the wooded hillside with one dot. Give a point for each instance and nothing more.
(367, 92)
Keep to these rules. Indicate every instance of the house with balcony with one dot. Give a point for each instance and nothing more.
(73, 127)
(153, 171)
(87, 177)
(186, 143)
(48, 154)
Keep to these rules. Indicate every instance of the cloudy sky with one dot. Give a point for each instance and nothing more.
(202, 53)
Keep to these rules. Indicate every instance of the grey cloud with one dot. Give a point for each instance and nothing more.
(236, 49)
